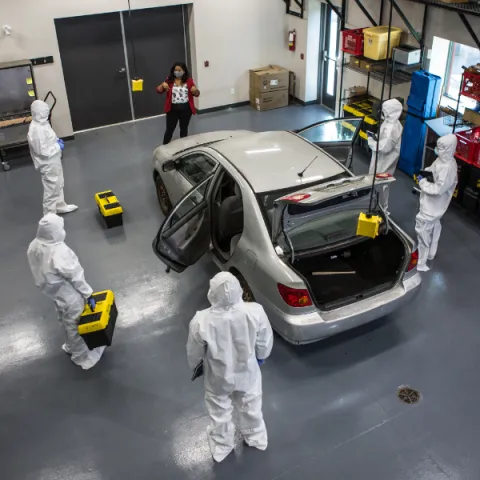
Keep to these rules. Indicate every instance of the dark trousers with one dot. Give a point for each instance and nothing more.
(180, 112)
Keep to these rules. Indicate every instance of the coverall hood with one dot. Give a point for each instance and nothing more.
(225, 291)
(392, 109)
(51, 229)
(40, 111)
(446, 147)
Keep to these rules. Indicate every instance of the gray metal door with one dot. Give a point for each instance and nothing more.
(159, 40)
(94, 68)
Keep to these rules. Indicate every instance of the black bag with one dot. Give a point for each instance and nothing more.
(198, 371)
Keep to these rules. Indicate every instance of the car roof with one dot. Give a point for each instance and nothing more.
(272, 160)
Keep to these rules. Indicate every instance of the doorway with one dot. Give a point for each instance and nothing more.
(328, 57)
(98, 61)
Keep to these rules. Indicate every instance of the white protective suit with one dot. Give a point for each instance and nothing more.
(229, 337)
(47, 158)
(59, 275)
(435, 199)
(389, 143)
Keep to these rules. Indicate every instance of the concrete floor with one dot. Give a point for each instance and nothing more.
(331, 408)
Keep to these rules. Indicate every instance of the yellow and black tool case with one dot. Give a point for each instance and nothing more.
(96, 328)
(109, 208)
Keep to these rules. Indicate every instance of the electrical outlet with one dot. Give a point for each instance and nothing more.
(232, 91)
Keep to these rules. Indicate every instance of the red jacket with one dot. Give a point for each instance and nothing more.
(168, 100)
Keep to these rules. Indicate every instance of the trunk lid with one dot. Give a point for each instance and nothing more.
(303, 206)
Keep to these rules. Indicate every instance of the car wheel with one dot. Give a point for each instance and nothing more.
(162, 195)
(247, 292)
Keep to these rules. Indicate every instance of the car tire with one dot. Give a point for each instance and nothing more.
(247, 291)
(162, 196)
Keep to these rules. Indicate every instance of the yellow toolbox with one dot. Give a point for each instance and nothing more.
(97, 327)
(109, 208)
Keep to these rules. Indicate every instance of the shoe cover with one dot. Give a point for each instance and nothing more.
(93, 358)
(67, 209)
(423, 268)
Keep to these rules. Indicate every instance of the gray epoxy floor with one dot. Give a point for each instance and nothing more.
(331, 408)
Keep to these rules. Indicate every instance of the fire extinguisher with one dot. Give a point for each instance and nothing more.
(292, 40)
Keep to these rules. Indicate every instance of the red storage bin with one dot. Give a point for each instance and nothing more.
(468, 146)
(352, 41)
(471, 85)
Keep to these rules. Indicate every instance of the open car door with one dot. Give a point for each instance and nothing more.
(185, 234)
(336, 137)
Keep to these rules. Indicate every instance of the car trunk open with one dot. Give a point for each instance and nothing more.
(316, 230)
(353, 271)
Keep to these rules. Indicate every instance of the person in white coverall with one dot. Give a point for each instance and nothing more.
(59, 275)
(389, 143)
(46, 151)
(232, 338)
(435, 198)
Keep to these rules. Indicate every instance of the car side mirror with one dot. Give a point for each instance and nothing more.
(169, 165)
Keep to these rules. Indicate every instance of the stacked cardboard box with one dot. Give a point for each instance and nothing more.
(269, 87)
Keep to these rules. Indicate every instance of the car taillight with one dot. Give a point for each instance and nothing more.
(294, 297)
(413, 261)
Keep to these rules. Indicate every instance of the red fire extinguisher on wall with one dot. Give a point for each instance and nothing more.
(292, 40)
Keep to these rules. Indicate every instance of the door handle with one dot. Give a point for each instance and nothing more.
(122, 70)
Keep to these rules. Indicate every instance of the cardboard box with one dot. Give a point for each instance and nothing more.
(269, 100)
(269, 79)
(407, 55)
(356, 91)
(471, 116)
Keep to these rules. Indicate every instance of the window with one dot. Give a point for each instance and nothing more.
(446, 61)
(342, 130)
(460, 55)
(188, 203)
(196, 167)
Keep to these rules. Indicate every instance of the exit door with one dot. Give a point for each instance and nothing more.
(329, 53)
(93, 62)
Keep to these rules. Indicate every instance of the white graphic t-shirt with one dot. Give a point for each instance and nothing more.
(180, 94)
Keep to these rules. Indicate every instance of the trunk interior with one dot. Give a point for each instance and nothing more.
(352, 272)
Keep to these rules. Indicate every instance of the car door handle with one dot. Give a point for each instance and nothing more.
(122, 70)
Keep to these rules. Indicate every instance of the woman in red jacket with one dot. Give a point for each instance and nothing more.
(179, 105)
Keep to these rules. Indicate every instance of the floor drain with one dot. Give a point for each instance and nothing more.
(408, 394)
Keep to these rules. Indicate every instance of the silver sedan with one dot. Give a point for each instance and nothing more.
(279, 210)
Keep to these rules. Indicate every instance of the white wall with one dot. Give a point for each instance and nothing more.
(233, 35)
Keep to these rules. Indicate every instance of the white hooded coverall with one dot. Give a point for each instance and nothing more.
(47, 158)
(389, 143)
(229, 337)
(435, 199)
(59, 275)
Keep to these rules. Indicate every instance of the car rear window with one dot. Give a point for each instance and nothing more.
(267, 199)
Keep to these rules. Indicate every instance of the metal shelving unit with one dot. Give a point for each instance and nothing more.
(399, 77)
(463, 10)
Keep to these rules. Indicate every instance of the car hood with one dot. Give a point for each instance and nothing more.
(181, 144)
